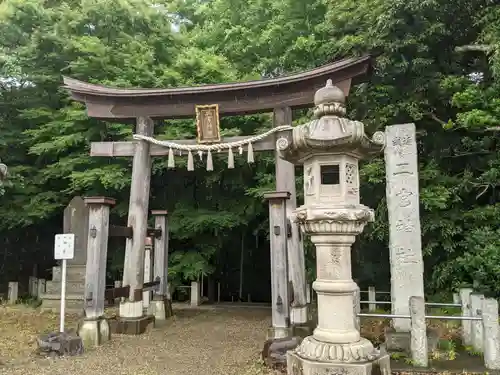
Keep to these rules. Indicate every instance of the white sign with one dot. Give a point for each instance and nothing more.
(64, 247)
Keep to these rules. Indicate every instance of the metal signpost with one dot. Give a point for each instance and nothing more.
(64, 249)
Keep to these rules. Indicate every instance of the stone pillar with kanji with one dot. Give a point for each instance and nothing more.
(329, 148)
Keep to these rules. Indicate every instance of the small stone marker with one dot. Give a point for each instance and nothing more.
(13, 293)
(195, 294)
(41, 287)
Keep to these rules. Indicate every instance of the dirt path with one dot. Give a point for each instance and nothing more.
(203, 342)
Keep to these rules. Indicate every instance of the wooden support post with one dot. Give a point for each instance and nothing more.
(279, 269)
(162, 301)
(94, 330)
(285, 181)
(133, 270)
(148, 272)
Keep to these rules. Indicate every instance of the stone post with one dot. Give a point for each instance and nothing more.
(476, 301)
(279, 269)
(491, 334)
(195, 294)
(372, 297)
(405, 247)
(33, 286)
(418, 343)
(94, 329)
(329, 148)
(465, 294)
(41, 288)
(13, 292)
(148, 272)
(75, 221)
(161, 299)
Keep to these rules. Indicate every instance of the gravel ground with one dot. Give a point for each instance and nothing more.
(210, 342)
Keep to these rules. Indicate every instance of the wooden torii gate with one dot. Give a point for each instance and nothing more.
(143, 106)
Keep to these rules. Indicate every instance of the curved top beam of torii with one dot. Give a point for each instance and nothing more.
(295, 91)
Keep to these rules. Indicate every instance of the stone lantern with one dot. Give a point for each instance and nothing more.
(330, 148)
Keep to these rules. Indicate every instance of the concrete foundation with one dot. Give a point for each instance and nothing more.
(161, 309)
(130, 326)
(279, 332)
(94, 332)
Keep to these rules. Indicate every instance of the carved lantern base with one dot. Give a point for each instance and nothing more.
(297, 365)
(336, 346)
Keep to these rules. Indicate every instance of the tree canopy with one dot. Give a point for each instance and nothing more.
(437, 63)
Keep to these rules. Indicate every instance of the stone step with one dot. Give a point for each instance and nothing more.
(73, 273)
(52, 302)
(72, 287)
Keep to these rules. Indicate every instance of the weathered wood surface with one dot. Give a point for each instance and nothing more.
(133, 273)
(148, 273)
(279, 268)
(123, 291)
(285, 181)
(128, 232)
(296, 91)
(97, 250)
(161, 253)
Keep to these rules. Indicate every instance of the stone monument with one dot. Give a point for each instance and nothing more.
(405, 244)
(76, 218)
(329, 148)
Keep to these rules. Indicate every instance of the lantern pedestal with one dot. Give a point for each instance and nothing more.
(336, 344)
(330, 148)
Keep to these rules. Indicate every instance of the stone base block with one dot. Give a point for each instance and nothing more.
(274, 352)
(279, 332)
(94, 332)
(399, 341)
(161, 309)
(52, 302)
(130, 326)
(297, 365)
(59, 344)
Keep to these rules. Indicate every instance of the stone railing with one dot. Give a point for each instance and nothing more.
(480, 326)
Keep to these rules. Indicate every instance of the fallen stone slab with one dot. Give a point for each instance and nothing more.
(59, 344)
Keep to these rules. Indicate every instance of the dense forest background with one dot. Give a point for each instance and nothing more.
(437, 63)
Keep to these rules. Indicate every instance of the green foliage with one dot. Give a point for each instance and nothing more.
(437, 63)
